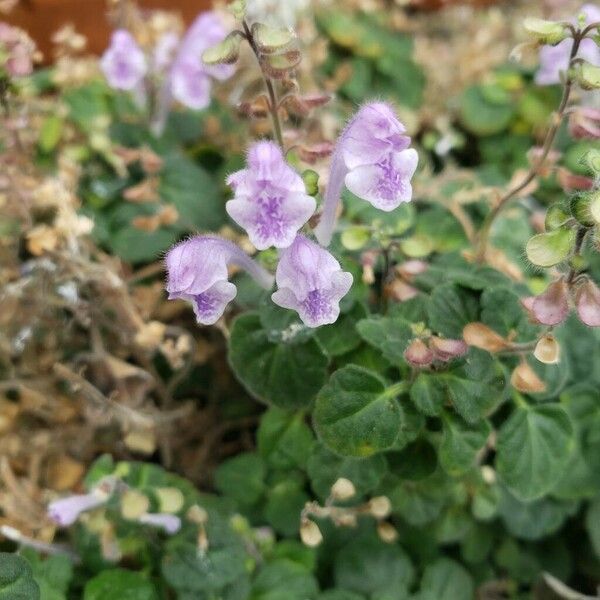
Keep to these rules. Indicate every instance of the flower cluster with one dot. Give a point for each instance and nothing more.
(554, 60)
(173, 69)
(272, 204)
(422, 353)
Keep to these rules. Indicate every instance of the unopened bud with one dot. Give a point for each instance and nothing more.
(380, 507)
(346, 519)
(387, 532)
(418, 354)
(310, 534)
(547, 350)
(311, 181)
(447, 349)
(555, 217)
(224, 53)
(526, 380)
(481, 336)
(170, 499)
(580, 209)
(488, 474)
(587, 302)
(134, 504)
(343, 489)
(197, 514)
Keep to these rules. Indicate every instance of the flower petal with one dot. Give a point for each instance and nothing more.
(210, 305)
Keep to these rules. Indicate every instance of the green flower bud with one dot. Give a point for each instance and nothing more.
(549, 249)
(311, 181)
(588, 76)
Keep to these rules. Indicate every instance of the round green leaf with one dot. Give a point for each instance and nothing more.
(119, 583)
(355, 414)
(287, 375)
(461, 443)
(16, 578)
(533, 449)
(446, 578)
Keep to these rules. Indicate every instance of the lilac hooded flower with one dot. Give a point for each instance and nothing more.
(270, 202)
(311, 282)
(66, 511)
(555, 59)
(169, 523)
(374, 161)
(197, 272)
(124, 64)
(190, 79)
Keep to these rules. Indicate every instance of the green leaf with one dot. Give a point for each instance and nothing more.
(119, 583)
(286, 375)
(502, 311)
(450, 308)
(446, 578)
(342, 336)
(419, 502)
(284, 580)
(533, 449)
(481, 116)
(284, 440)
(356, 414)
(592, 524)
(391, 335)
(53, 574)
(136, 246)
(194, 193)
(324, 468)
(414, 462)
(461, 443)
(50, 133)
(533, 520)
(368, 566)
(242, 478)
(285, 501)
(428, 393)
(16, 579)
(549, 249)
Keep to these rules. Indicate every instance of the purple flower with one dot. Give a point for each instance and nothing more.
(270, 202)
(124, 63)
(66, 511)
(311, 282)
(190, 79)
(170, 523)
(197, 272)
(374, 161)
(554, 60)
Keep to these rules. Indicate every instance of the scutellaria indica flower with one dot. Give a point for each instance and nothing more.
(197, 271)
(373, 159)
(124, 63)
(311, 282)
(270, 202)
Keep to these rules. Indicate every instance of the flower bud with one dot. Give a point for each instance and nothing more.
(418, 354)
(481, 336)
(380, 507)
(401, 291)
(595, 206)
(343, 489)
(547, 350)
(310, 534)
(346, 519)
(525, 379)
(134, 504)
(169, 523)
(197, 514)
(411, 268)
(572, 182)
(170, 499)
(447, 349)
(488, 474)
(225, 52)
(387, 532)
(545, 32)
(311, 181)
(587, 302)
(551, 307)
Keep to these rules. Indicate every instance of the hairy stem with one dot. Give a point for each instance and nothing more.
(558, 116)
(273, 102)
